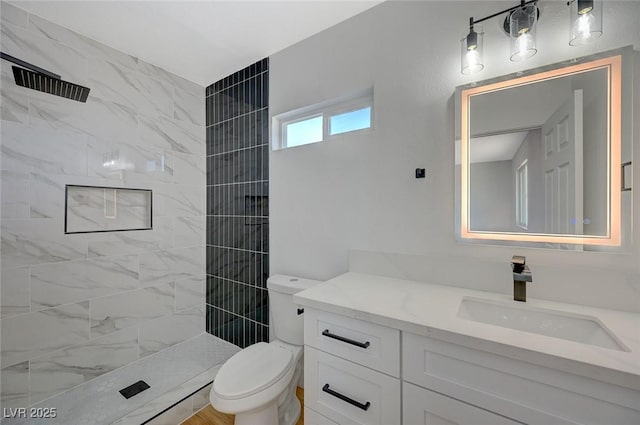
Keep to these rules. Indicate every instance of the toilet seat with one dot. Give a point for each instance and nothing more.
(250, 376)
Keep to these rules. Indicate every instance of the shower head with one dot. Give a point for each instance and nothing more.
(44, 83)
(42, 80)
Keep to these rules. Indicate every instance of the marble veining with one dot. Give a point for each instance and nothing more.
(34, 334)
(190, 292)
(66, 368)
(37, 241)
(13, 15)
(141, 127)
(15, 292)
(154, 98)
(14, 391)
(124, 161)
(187, 200)
(65, 61)
(91, 48)
(111, 82)
(174, 135)
(189, 168)
(188, 107)
(109, 314)
(15, 194)
(170, 265)
(15, 106)
(47, 192)
(63, 283)
(190, 231)
(61, 152)
(166, 331)
(97, 402)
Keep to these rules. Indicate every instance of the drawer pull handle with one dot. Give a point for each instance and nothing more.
(343, 397)
(347, 340)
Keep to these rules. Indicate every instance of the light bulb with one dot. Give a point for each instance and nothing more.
(524, 47)
(473, 60)
(582, 26)
(586, 21)
(471, 51)
(522, 32)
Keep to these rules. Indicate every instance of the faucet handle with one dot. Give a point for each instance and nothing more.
(518, 263)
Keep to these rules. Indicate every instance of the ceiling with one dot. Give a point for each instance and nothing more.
(202, 41)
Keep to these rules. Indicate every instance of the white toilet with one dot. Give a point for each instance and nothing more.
(258, 384)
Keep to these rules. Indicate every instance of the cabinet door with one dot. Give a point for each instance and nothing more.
(314, 418)
(347, 393)
(424, 407)
(367, 344)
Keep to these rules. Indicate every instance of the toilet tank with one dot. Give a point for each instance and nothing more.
(287, 324)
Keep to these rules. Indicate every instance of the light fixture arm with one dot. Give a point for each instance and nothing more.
(511, 9)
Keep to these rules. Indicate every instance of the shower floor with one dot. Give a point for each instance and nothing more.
(173, 375)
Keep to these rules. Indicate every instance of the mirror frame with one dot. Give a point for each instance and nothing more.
(613, 65)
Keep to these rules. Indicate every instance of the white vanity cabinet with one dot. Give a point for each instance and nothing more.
(403, 349)
(359, 373)
(351, 371)
(513, 389)
(425, 407)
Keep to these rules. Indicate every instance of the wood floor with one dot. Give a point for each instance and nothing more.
(210, 416)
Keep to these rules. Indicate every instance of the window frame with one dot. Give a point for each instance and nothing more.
(523, 169)
(326, 110)
(283, 129)
(355, 105)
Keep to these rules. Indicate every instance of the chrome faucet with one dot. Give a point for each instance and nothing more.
(521, 275)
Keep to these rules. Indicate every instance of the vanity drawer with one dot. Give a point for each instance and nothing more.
(425, 407)
(516, 389)
(347, 393)
(311, 417)
(368, 344)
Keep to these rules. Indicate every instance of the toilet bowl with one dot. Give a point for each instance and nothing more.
(258, 384)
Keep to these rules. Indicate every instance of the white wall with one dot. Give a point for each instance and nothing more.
(359, 191)
(492, 203)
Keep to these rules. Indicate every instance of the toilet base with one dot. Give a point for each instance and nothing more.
(292, 413)
(267, 415)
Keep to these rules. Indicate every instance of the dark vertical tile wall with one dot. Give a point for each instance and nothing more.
(237, 110)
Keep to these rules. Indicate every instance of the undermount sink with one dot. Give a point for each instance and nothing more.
(553, 323)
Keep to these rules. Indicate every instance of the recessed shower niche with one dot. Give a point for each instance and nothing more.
(91, 209)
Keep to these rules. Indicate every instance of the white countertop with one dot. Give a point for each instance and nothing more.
(431, 310)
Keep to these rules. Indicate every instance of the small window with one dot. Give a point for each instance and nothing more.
(303, 132)
(522, 197)
(320, 122)
(350, 121)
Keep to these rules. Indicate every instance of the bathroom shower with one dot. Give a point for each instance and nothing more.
(36, 78)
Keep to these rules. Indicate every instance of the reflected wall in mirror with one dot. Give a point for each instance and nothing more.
(540, 156)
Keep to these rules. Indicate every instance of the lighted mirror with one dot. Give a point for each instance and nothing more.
(540, 155)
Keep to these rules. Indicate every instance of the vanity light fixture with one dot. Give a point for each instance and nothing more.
(471, 46)
(585, 20)
(522, 31)
(519, 24)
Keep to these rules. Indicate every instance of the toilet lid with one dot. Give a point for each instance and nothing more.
(251, 370)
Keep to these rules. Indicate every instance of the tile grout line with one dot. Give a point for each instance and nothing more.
(264, 108)
(261, 145)
(235, 84)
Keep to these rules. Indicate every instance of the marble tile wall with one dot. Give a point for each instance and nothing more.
(73, 307)
(237, 111)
